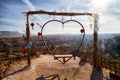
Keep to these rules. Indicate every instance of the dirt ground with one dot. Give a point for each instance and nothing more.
(45, 66)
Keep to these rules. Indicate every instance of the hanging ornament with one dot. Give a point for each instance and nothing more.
(63, 26)
(39, 25)
(90, 26)
(24, 49)
(24, 37)
(71, 17)
(39, 34)
(32, 24)
(82, 30)
(86, 13)
(62, 23)
(54, 17)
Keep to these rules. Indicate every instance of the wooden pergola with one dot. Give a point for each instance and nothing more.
(93, 15)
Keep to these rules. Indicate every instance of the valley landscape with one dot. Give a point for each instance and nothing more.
(11, 49)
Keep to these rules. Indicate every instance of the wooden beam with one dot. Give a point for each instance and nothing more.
(57, 13)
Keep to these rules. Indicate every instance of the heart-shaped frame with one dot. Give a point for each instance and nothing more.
(82, 31)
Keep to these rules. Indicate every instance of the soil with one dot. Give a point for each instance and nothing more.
(45, 66)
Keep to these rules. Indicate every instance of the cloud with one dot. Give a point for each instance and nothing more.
(11, 21)
(33, 18)
(12, 24)
(109, 24)
(109, 12)
(73, 5)
(32, 7)
(100, 6)
(10, 28)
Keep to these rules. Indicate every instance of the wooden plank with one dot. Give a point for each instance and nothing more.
(63, 56)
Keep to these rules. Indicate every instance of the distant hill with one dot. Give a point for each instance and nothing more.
(107, 43)
(9, 34)
(108, 36)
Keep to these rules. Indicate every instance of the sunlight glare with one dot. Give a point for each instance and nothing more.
(101, 5)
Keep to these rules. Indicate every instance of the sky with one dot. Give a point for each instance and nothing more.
(12, 18)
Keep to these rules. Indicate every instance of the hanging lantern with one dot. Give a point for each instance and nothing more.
(39, 34)
(82, 30)
(32, 24)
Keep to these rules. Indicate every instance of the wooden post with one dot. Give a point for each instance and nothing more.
(28, 39)
(115, 69)
(95, 39)
(109, 65)
(105, 63)
(101, 62)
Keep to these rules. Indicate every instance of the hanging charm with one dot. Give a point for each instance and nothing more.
(24, 37)
(82, 30)
(62, 23)
(39, 34)
(32, 24)
(63, 26)
(54, 17)
(24, 49)
(71, 17)
(39, 25)
(90, 26)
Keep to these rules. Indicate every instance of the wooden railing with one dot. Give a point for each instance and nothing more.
(113, 66)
